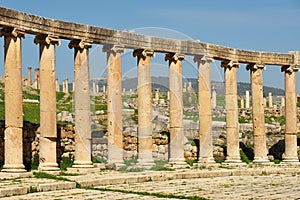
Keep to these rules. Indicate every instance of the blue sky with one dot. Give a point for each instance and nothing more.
(269, 25)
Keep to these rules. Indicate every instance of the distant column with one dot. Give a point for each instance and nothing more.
(242, 102)
(13, 134)
(265, 102)
(282, 101)
(291, 155)
(214, 97)
(156, 95)
(94, 88)
(258, 115)
(67, 85)
(97, 89)
(176, 153)
(103, 89)
(145, 157)
(204, 112)
(29, 81)
(73, 85)
(232, 125)
(57, 86)
(37, 78)
(48, 133)
(82, 104)
(270, 100)
(114, 104)
(247, 99)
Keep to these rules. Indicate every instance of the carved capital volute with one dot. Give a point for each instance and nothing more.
(254, 66)
(143, 53)
(202, 59)
(47, 40)
(230, 64)
(80, 44)
(12, 32)
(289, 68)
(174, 57)
(113, 49)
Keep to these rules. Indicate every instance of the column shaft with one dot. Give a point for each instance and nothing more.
(177, 138)
(13, 134)
(145, 157)
(204, 111)
(48, 132)
(114, 105)
(258, 115)
(291, 155)
(82, 104)
(232, 125)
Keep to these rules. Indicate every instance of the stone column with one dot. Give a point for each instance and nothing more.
(270, 100)
(232, 125)
(73, 86)
(177, 138)
(48, 134)
(204, 112)
(291, 155)
(282, 102)
(242, 102)
(103, 89)
(94, 88)
(67, 86)
(214, 97)
(114, 104)
(144, 91)
(97, 89)
(247, 99)
(265, 102)
(29, 81)
(156, 95)
(258, 115)
(82, 104)
(57, 86)
(13, 134)
(37, 78)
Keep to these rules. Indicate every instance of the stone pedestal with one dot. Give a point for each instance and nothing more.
(13, 134)
(204, 112)
(259, 135)
(176, 150)
(82, 104)
(114, 105)
(145, 157)
(232, 125)
(48, 133)
(291, 155)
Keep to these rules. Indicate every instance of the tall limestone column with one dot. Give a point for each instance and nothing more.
(270, 100)
(29, 81)
(48, 133)
(145, 157)
(258, 115)
(13, 134)
(114, 104)
(176, 153)
(214, 97)
(204, 104)
(291, 155)
(247, 99)
(232, 125)
(82, 104)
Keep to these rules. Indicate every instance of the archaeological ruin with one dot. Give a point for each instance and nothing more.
(48, 35)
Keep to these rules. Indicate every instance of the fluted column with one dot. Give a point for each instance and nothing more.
(48, 133)
(204, 111)
(145, 157)
(114, 104)
(176, 150)
(82, 104)
(258, 115)
(232, 125)
(291, 155)
(13, 134)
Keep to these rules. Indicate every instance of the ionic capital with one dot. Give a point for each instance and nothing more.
(47, 40)
(202, 59)
(254, 67)
(289, 68)
(113, 49)
(174, 57)
(143, 53)
(230, 64)
(80, 44)
(12, 32)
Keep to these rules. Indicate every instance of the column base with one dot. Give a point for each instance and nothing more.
(261, 160)
(178, 163)
(233, 160)
(147, 164)
(116, 164)
(13, 168)
(291, 160)
(82, 164)
(210, 160)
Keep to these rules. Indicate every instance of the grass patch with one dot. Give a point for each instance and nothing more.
(191, 162)
(65, 163)
(35, 162)
(276, 161)
(244, 157)
(160, 166)
(98, 160)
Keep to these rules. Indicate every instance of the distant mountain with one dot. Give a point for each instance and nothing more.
(163, 84)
